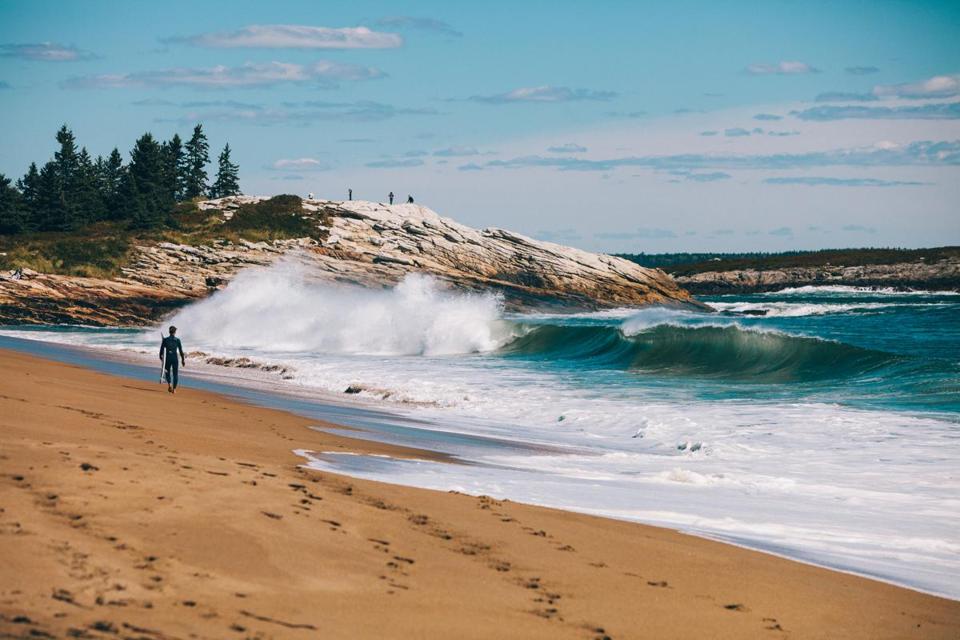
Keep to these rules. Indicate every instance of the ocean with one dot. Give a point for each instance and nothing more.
(817, 423)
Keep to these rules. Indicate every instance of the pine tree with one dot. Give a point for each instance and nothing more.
(175, 167)
(228, 180)
(68, 214)
(29, 187)
(145, 191)
(197, 157)
(12, 209)
(110, 174)
(87, 195)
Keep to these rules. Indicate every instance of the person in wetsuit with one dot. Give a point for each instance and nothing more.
(169, 348)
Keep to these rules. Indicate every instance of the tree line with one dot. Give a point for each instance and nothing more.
(73, 190)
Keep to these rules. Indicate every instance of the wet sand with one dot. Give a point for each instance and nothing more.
(128, 512)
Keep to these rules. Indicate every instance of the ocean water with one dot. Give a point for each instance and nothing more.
(819, 423)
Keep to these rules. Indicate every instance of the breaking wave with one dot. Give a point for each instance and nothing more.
(279, 309)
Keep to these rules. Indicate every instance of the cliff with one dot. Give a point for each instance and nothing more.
(363, 243)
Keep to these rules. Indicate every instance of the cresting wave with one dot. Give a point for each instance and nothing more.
(726, 352)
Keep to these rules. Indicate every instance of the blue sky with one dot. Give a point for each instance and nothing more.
(615, 126)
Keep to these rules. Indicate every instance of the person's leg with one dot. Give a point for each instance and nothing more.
(167, 375)
(175, 370)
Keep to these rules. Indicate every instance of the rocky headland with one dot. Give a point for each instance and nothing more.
(361, 243)
(942, 275)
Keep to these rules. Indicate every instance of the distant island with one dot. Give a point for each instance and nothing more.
(933, 269)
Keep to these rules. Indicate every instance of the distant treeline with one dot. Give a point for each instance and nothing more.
(681, 264)
(73, 190)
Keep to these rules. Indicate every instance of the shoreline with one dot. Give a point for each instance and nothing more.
(369, 421)
(189, 501)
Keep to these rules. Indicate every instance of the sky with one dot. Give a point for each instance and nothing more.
(612, 126)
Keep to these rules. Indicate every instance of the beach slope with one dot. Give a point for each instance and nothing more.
(127, 512)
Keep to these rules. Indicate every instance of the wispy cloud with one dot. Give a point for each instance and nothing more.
(843, 96)
(545, 93)
(708, 133)
(422, 24)
(859, 228)
(862, 71)
(783, 232)
(739, 132)
(817, 181)
(392, 163)
(920, 153)
(44, 51)
(293, 113)
(637, 234)
(937, 111)
(470, 166)
(570, 147)
(300, 165)
(627, 114)
(261, 74)
(456, 152)
(783, 68)
(292, 36)
(767, 116)
(935, 87)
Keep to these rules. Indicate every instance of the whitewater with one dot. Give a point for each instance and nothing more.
(820, 424)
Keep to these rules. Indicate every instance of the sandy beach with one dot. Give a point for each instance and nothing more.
(127, 512)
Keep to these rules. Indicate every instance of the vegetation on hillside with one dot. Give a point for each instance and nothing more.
(101, 248)
(684, 264)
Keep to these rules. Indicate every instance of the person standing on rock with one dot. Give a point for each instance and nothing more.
(169, 348)
(349, 194)
(391, 197)
(409, 199)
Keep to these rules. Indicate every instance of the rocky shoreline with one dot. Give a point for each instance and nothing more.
(939, 276)
(363, 243)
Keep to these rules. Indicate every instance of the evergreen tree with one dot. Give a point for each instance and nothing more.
(87, 195)
(65, 211)
(29, 187)
(12, 210)
(51, 206)
(228, 179)
(145, 192)
(175, 167)
(195, 171)
(110, 174)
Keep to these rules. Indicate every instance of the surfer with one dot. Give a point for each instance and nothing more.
(409, 199)
(169, 347)
(391, 197)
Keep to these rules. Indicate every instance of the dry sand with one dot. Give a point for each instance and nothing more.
(127, 512)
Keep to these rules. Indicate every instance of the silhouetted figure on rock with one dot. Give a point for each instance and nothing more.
(391, 197)
(409, 199)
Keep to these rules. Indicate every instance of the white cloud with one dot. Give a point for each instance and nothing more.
(299, 164)
(545, 93)
(456, 152)
(783, 68)
(260, 74)
(291, 36)
(570, 147)
(935, 87)
(44, 51)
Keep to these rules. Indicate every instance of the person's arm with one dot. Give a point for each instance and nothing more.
(161, 348)
(183, 359)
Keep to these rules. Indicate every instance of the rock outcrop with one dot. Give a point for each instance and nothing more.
(365, 243)
(941, 275)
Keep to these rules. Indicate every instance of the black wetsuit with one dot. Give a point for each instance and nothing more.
(169, 347)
